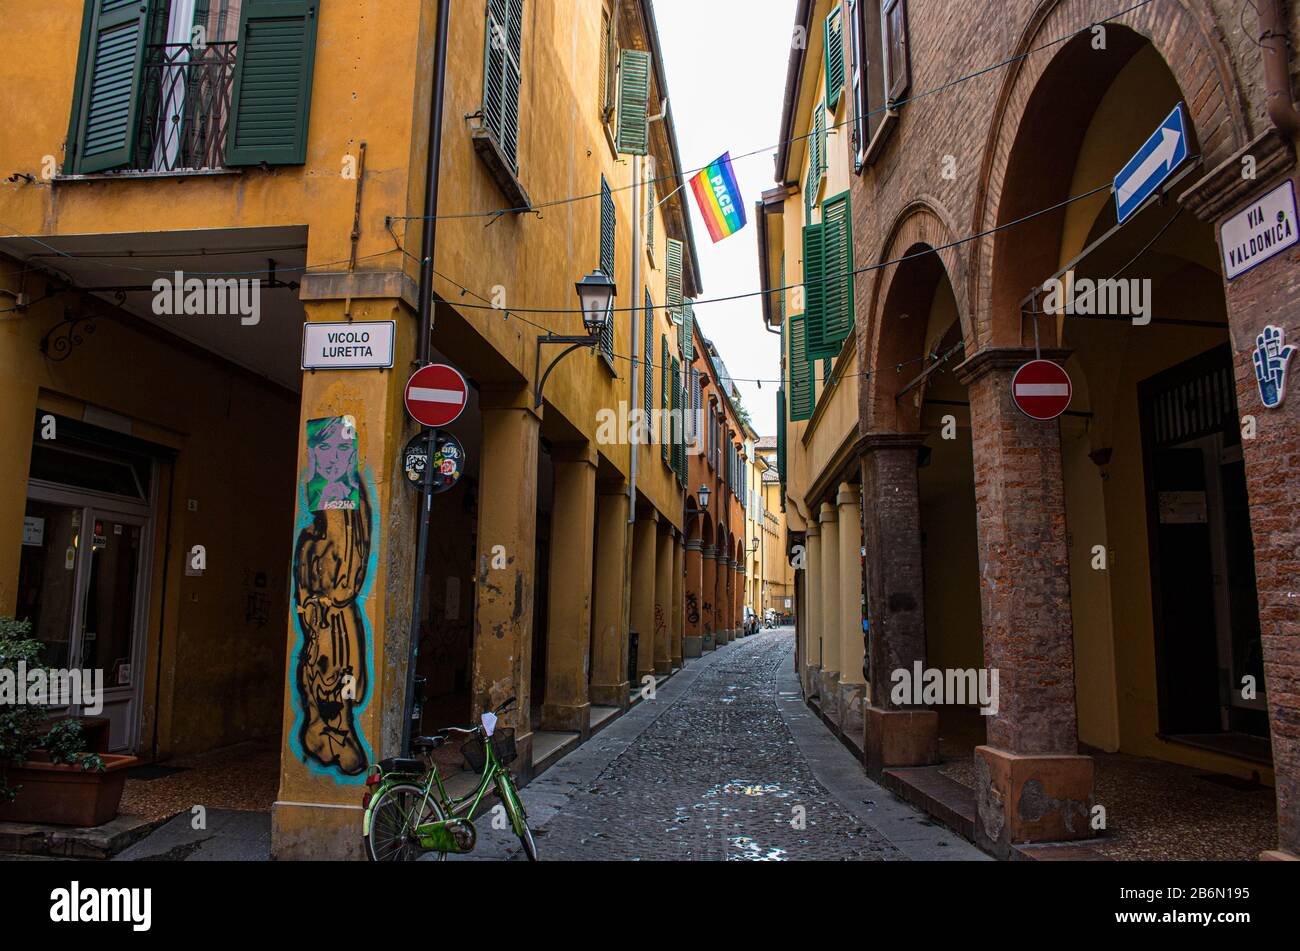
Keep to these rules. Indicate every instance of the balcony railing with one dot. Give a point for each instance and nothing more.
(185, 107)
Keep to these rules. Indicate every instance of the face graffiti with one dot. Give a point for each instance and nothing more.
(331, 558)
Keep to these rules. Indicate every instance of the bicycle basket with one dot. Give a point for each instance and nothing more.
(503, 746)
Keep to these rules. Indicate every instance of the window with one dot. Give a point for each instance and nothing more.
(649, 384)
(800, 372)
(828, 275)
(606, 66)
(834, 57)
(502, 76)
(154, 92)
(665, 428)
(881, 70)
(608, 236)
(633, 102)
(651, 202)
(675, 301)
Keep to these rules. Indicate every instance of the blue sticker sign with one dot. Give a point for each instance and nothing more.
(1151, 166)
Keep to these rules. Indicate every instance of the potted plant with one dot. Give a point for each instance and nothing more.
(45, 774)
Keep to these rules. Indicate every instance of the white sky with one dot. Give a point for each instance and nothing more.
(726, 63)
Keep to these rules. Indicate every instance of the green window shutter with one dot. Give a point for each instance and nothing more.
(688, 333)
(814, 283)
(665, 432)
(649, 383)
(801, 382)
(674, 291)
(271, 96)
(608, 229)
(679, 454)
(633, 102)
(110, 79)
(652, 202)
(836, 296)
(834, 58)
(780, 435)
(781, 299)
(502, 77)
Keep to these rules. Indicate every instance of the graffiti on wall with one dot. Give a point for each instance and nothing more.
(692, 608)
(333, 564)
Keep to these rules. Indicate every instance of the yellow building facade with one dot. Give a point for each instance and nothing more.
(210, 268)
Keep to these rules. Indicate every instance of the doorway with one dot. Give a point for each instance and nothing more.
(84, 571)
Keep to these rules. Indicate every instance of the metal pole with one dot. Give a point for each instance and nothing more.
(429, 242)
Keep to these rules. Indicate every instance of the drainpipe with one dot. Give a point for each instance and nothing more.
(636, 335)
(427, 245)
(1277, 75)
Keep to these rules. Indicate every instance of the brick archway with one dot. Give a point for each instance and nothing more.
(1046, 102)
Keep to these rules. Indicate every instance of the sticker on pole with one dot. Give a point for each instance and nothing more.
(1041, 389)
(436, 395)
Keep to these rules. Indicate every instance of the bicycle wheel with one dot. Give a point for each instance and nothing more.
(518, 818)
(392, 828)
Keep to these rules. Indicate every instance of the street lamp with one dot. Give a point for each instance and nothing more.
(596, 295)
(704, 496)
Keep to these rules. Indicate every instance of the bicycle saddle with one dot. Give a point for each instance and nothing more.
(425, 744)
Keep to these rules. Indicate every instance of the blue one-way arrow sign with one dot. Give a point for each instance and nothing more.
(1152, 165)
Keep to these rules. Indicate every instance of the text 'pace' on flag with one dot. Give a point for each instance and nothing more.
(719, 199)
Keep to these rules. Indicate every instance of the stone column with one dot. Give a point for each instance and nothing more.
(830, 611)
(720, 599)
(609, 683)
(852, 683)
(644, 552)
(663, 659)
(708, 584)
(675, 625)
(724, 597)
(507, 536)
(1268, 294)
(693, 639)
(896, 734)
(566, 706)
(813, 616)
(1031, 784)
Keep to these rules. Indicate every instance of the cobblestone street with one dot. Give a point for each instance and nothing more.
(725, 764)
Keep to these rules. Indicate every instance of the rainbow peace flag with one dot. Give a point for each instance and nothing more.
(719, 198)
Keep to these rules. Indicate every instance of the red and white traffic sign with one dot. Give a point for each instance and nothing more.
(1041, 389)
(436, 394)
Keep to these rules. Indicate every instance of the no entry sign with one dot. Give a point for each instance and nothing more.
(1041, 389)
(436, 394)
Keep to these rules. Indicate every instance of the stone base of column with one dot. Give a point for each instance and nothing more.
(692, 646)
(302, 831)
(1277, 855)
(828, 689)
(709, 641)
(1030, 798)
(663, 668)
(811, 680)
(610, 695)
(567, 718)
(720, 637)
(899, 738)
(852, 703)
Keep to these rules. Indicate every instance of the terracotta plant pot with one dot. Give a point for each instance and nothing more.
(64, 795)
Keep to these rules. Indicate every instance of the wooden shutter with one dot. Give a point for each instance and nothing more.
(688, 333)
(679, 448)
(836, 296)
(502, 55)
(651, 204)
(665, 429)
(633, 102)
(814, 273)
(780, 435)
(649, 384)
(608, 229)
(271, 97)
(800, 372)
(834, 58)
(898, 68)
(674, 290)
(110, 78)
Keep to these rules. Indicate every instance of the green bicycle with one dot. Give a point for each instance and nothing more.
(408, 811)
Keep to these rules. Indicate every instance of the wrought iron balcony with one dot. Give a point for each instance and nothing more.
(185, 107)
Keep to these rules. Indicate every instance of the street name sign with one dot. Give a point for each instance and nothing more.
(436, 395)
(355, 345)
(1152, 165)
(1265, 228)
(1041, 389)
